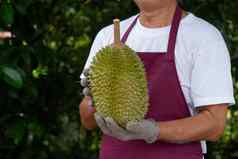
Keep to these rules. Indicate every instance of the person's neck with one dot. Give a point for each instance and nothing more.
(158, 18)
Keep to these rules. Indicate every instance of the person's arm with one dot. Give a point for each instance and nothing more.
(208, 124)
(5, 35)
(211, 83)
(87, 114)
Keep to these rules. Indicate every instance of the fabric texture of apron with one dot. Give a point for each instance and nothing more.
(166, 103)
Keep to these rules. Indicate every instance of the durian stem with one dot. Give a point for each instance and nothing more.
(117, 41)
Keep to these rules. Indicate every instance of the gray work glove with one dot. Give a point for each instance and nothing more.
(84, 83)
(147, 130)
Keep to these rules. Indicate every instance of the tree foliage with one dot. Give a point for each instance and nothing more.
(40, 68)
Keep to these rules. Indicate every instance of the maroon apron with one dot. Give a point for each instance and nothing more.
(166, 103)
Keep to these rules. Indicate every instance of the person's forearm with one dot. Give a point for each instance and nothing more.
(89, 123)
(200, 127)
(5, 35)
(87, 114)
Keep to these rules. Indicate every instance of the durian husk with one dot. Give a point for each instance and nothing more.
(118, 84)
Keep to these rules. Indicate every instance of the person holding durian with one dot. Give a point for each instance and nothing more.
(188, 72)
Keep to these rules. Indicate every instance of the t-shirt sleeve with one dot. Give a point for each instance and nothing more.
(96, 46)
(211, 81)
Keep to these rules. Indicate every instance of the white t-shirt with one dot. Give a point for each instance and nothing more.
(201, 55)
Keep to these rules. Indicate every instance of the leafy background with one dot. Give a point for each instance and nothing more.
(40, 68)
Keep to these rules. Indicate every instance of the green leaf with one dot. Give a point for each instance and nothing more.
(17, 131)
(36, 128)
(7, 13)
(11, 76)
(40, 71)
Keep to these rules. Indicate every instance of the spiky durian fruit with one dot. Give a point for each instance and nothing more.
(118, 84)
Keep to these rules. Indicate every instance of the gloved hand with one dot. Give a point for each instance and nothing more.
(147, 130)
(84, 83)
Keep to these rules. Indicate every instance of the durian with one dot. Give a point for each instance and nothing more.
(117, 82)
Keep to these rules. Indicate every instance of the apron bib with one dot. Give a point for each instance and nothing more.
(166, 102)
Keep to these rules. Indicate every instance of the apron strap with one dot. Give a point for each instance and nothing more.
(173, 33)
(125, 36)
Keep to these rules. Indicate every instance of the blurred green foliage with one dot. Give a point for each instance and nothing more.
(40, 68)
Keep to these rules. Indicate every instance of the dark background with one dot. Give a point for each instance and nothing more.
(40, 69)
